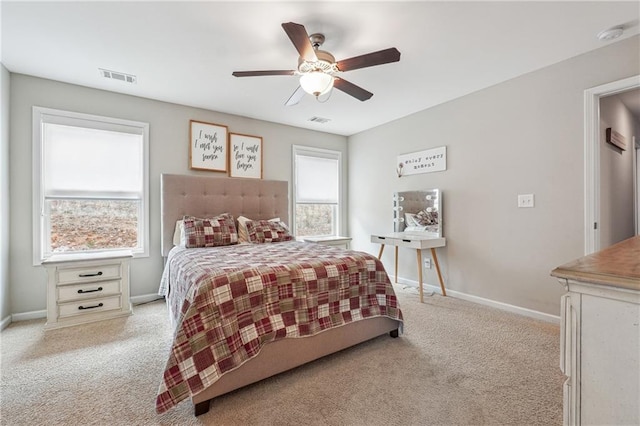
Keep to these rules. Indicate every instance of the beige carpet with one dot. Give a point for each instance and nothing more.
(457, 363)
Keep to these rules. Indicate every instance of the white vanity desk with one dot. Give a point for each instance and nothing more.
(416, 241)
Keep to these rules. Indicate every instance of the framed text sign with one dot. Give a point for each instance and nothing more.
(245, 152)
(430, 160)
(207, 146)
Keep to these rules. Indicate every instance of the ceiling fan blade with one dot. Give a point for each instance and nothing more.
(351, 89)
(300, 39)
(370, 59)
(262, 73)
(296, 97)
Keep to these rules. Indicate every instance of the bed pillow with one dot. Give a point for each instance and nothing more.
(178, 233)
(267, 231)
(209, 232)
(243, 235)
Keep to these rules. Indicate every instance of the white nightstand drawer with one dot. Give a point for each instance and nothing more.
(71, 292)
(89, 306)
(88, 273)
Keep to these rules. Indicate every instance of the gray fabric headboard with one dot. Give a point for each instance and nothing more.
(202, 196)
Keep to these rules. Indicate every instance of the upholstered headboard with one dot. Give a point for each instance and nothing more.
(202, 196)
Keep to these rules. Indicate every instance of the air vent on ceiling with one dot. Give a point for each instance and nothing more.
(115, 75)
(319, 120)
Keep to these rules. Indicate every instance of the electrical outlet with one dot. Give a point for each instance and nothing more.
(427, 263)
(525, 200)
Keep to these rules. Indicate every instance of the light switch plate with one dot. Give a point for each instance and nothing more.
(525, 200)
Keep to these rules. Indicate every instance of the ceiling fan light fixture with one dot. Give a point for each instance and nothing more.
(316, 83)
(610, 33)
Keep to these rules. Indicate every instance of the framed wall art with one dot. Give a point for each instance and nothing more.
(245, 155)
(616, 139)
(427, 161)
(208, 146)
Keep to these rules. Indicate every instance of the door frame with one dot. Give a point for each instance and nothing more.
(636, 182)
(592, 156)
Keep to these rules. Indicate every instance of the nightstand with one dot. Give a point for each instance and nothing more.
(87, 287)
(330, 241)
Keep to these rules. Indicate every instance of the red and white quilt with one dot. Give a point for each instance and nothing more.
(227, 302)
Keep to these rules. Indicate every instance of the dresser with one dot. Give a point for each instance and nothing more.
(600, 336)
(87, 287)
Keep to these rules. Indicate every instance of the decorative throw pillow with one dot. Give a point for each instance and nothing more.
(243, 236)
(267, 231)
(210, 232)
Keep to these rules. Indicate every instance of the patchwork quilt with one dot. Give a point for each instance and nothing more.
(227, 302)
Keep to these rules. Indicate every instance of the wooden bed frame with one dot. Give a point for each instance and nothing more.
(256, 199)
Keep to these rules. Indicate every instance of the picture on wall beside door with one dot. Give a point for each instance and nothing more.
(207, 146)
(615, 138)
(245, 152)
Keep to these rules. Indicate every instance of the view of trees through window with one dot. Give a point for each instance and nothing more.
(314, 219)
(80, 225)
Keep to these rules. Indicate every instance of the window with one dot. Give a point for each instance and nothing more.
(317, 183)
(90, 183)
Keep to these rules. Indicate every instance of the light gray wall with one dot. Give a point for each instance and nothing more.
(169, 132)
(519, 137)
(5, 307)
(616, 173)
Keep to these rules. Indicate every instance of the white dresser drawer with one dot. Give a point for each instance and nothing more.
(67, 293)
(405, 239)
(381, 240)
(88, 273)
(399, 242)
(89, 306)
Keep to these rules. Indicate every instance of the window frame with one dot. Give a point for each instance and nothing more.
(40, 225)
(338, 226)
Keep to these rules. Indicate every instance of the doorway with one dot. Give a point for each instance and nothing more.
(592, 157)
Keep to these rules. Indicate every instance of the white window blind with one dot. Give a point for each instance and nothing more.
(108, 162)
(316, 180)
(90, 184)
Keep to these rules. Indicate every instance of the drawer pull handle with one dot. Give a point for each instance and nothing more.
(99, 305)
(382, 238)
(97, 274)
(407, 241)
(81, 291)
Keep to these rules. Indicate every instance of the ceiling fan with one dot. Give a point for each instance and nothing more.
(318, 69)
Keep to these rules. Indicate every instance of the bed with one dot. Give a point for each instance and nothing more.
(245, 312)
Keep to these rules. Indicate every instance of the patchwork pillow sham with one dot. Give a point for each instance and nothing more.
(243, 235)
(209, 232)
(267, 231)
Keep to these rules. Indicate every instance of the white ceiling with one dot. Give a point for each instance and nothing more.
(185, 52)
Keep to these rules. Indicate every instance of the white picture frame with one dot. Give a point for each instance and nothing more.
(245, 156)
(208, 146)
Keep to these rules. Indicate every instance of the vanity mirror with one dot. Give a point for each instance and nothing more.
(418, 212)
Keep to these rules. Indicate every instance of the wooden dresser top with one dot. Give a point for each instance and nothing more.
(618, 266)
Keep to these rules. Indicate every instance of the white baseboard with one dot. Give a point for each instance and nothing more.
(145, 298)
(488, 302)
(5, 322)
(24, 316)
